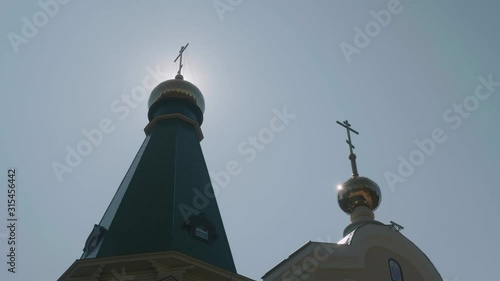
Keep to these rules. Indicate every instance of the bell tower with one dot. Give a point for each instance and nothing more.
(163, 222)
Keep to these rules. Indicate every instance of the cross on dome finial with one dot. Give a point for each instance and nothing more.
(352, 156)
(357, 191)
(183, 48)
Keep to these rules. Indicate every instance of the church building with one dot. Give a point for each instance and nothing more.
(164, 224)
(369, 251)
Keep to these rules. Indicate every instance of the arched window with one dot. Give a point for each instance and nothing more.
(395, 269)
(201, 232)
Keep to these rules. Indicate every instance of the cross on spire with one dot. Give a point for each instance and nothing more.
(352, 156)
(180, 56)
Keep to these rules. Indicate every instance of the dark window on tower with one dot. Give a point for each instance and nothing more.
(395, 269)
(201, 232)
(200, 228)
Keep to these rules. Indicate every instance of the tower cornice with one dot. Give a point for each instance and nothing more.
(182, 117)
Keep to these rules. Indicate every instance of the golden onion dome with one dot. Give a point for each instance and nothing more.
(358, 191)
(177, 88)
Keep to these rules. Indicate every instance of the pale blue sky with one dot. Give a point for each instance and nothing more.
(246, 61)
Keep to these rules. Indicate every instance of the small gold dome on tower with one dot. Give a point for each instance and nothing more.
(358, 191)
(177, 88)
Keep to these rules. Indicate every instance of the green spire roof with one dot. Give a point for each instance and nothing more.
(166, 201)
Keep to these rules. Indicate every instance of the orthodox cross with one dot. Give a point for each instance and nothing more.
(180, 56)
(352, 156)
